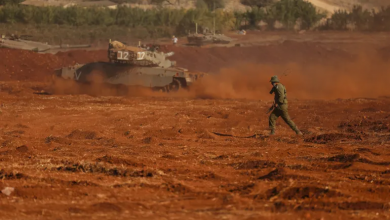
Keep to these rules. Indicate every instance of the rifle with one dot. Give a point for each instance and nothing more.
(272, 108)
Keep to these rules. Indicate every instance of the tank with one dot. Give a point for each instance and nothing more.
(203, 39)
(207, 37)
(138, 56)
(132, 66)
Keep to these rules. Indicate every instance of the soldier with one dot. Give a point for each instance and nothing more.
(280, 106)
(174, 40)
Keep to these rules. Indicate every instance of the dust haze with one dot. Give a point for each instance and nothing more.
(365, 77)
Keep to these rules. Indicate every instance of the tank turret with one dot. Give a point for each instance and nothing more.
(138, 56)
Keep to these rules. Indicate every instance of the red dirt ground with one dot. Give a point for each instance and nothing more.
(203, 153)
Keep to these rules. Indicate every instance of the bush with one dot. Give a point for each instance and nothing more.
(361, 19)
(256, 3)
(381, 20)
(254, 16)
(339, 20)
(204, 18)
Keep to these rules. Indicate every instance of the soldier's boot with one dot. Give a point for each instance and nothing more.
(298, 132)
(272, 132)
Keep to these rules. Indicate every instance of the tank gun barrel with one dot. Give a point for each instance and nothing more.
(70, 46)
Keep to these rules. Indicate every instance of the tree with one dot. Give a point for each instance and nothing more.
(381, 20)
(289, 11)
(201, 4)
(257, 3)
(340, 20)
(360, 17)
(214, 4)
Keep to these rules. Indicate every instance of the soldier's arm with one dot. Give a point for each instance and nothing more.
(280, 91)
(272, 90)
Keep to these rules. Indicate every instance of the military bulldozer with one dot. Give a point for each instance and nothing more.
(133, 66)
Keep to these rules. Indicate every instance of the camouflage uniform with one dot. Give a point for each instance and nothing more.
(282, 107)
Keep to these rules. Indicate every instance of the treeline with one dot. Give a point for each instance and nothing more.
(292, 14)
(179, 20)
(360, 19)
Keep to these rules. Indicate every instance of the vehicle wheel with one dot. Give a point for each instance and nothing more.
(175, 85)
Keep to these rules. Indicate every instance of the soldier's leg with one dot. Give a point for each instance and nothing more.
(272, 120)
(287, 119)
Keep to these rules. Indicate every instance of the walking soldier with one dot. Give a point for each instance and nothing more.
(280, 106)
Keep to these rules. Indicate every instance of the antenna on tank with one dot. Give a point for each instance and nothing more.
(196, 28)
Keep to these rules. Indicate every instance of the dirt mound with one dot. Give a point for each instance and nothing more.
(22, 149)
(79, 134)
(307, 192)
(117, 161)
(365, 124)
(254, 164)
(332, 137)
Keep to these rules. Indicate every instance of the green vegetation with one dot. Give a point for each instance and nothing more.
(288, 12)
(5, 2)
(163, 22)
(159, 22)
(360, 19)
(65, 34)
(256, 3)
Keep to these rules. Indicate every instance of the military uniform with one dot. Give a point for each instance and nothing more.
(281, 109)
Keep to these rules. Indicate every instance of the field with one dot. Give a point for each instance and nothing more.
(204, 153)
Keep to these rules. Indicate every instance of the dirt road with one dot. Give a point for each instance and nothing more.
(202, 154)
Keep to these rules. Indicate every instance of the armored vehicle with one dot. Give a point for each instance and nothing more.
(203, 39)
(207, 37)
(132, 66)
(16, 42)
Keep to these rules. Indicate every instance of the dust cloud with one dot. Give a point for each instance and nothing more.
(60, 86)
(365, 77)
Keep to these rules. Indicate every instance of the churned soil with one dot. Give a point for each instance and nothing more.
(110, 157)
(198, 154)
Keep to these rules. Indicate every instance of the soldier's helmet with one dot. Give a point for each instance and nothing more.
(274, 79)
